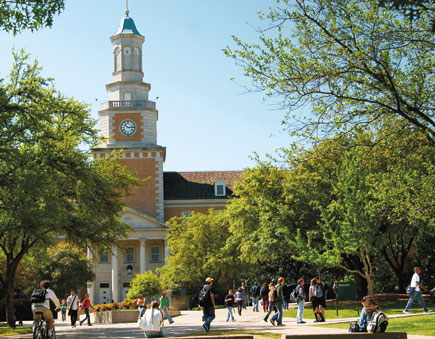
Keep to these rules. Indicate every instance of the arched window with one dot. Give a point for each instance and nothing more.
(127, 58)
(136, 59)
(117, 59)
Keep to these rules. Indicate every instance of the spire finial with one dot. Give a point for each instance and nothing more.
(126, 8)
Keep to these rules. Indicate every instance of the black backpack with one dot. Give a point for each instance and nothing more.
(38, 296)
(203, 295)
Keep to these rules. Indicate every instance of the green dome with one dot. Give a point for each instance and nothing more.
(127, 26)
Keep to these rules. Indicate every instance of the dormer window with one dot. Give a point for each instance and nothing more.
(220, 188)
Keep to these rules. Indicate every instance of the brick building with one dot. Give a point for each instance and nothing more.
(128, 122)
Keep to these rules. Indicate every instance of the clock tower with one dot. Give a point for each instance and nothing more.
(128, 121)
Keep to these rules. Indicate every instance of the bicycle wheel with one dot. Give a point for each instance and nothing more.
(54, 333)
(36, 332)
(43, 331)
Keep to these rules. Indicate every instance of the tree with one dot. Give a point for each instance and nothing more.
(18, 15)
(412, 9)
(49, 185)
(66, 265)
(147, 283)
(340, 65)
(198, 250)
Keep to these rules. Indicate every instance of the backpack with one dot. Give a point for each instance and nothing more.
(272, 295)
(317, 291)
(378, 323)
(203, 296)
(294, 296)
(255, 291)
(38, 296)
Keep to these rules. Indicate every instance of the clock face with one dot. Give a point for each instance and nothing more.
(127, 127)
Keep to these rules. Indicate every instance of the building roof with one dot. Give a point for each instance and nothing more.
(127, 26)
(198, 185)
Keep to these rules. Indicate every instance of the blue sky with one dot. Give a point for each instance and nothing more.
(206, 121)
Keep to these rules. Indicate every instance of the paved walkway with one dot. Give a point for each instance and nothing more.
(191, 321)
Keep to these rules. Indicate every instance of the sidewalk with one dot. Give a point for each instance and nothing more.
(191, 321)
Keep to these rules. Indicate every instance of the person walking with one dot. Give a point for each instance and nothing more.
(255, 296)
(209, 306)
(164, 306)
(264, 292)
(279, 303)
(316, 296)
(85, 306)
(240, 300)
(229, 303)
(73, 302)
(271, 297)
(63, 308)
(140, 305)
(300, 295)
(416, 287)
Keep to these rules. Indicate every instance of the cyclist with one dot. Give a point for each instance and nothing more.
(44, 307)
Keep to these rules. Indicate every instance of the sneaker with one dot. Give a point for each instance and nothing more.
(280, 325)
(301, 322)
(272, 322)
(89, 324)
(234, 320)
(172, 322)
(265, 320)
(428, 311)
(80, 323)
(205, 327)
(405, 311)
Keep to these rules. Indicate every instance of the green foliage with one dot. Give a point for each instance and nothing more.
(67, 267)
(198, 250)
(49, 185)
(348, 63)
(147, 283)
(18, 15)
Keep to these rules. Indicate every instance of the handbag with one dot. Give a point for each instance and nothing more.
(410, 290)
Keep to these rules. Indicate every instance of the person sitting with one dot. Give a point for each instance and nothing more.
(370, 306)
(153, 321)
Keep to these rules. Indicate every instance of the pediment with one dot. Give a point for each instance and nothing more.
(140, 221)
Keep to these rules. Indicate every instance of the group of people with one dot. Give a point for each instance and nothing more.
(45, 309)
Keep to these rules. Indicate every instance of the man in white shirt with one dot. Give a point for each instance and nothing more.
(44, 307)
(416, 293)
(73, 302)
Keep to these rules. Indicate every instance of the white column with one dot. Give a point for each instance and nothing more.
(91, 283)
(115, 273)
(167, 251)
(142, 257)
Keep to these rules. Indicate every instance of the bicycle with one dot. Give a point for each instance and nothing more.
(40, 331)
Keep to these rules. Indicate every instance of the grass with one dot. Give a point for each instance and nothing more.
(256, 334)
(419, 325)
(351, 309)
(5, 330)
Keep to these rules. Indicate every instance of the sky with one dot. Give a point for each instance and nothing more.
(207, 122)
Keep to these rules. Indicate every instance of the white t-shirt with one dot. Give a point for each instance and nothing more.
(73, 306)
(153, 325)
(414, 280)
(48, 295)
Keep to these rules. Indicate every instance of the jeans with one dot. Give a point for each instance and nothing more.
(230, 313)
(140, 309)
(168, 316)
(63, 315)
(209, 314)
(278, 316)
(301, 306)
(87, 316)
(285, 303)
(255, 303)
(271, 306)
(415, 295)
(239, 306)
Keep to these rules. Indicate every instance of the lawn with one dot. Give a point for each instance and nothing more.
(420, 325)
(389, 305)
(256, 334)
(6, 330)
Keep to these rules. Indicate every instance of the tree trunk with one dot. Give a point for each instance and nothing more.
(10, 282)
(361, 284)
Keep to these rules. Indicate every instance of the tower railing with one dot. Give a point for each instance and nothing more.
(126, 104)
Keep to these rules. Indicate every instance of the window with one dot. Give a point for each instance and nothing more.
(104, 255)
(126, 284)
(129, 254)
(186, 214)
(219, 188)
(104, 285)
(155, 254)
